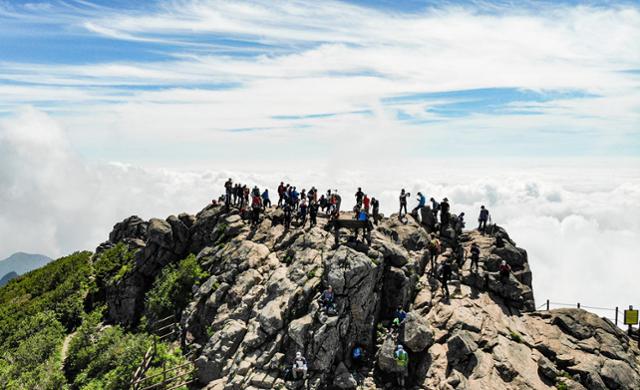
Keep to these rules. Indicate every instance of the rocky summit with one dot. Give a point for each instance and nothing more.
(260, 305)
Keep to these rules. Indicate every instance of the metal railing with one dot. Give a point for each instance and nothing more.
(172, 377)
(610, 313)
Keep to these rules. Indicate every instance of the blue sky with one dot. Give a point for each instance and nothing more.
(203, 79)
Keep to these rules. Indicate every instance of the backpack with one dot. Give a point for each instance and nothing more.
(357, 353)
(402, 358)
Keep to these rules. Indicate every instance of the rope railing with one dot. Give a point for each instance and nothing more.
(615, 319)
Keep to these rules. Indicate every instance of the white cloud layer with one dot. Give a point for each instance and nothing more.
(579, 219)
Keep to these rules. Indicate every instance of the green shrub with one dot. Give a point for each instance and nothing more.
(171, 291)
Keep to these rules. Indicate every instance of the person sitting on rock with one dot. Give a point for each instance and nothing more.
(482, 219)
(402, 361)
(299, 367)
(375, 205)
(504, 269)
(475, 256)
(422, 201)
(445, 276)
(266, 202)
(323, 203)
(328, 300)
(403, 202)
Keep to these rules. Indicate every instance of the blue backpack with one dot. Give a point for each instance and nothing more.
(357, 353)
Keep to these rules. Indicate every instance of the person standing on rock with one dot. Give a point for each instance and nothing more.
(266, 202)
(287, 216)
(402, 361)
(299, 367)
(366, 203)
(434, 250)
(302, 213)
(482, 219)
(228, 187)
(313, 213)
(256, 206)
(444, 214)
(445, 276)
(435, 206)
(375, 205)
(359, 196)
(475, 256)
(403, 202)
(281, 192)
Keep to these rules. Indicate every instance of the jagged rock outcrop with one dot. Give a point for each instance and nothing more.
(260, 305)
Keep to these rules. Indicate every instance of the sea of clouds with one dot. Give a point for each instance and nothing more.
(579, 219)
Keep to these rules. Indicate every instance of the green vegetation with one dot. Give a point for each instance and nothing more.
(515, 336)
(171, 291)
(40, 309)
(105, 357)
(113, 264)
(36, 311)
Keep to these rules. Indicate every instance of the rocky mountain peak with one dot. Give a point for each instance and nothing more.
(262, 303)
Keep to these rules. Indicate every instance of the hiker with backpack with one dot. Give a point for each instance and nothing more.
(482, 219)
(256, 206)
(434, 247)
(403, 202)
(299, 369)
(402, 362)
(281, 192)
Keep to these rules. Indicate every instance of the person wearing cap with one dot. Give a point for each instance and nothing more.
(299, 366)
(505, 269)
(402, 361)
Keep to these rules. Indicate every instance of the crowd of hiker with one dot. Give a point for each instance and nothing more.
(444, 228)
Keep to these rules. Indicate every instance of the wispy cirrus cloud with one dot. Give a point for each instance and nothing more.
(528, 76)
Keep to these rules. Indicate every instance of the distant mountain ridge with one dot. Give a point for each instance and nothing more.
(21, 263)
(6, 278)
